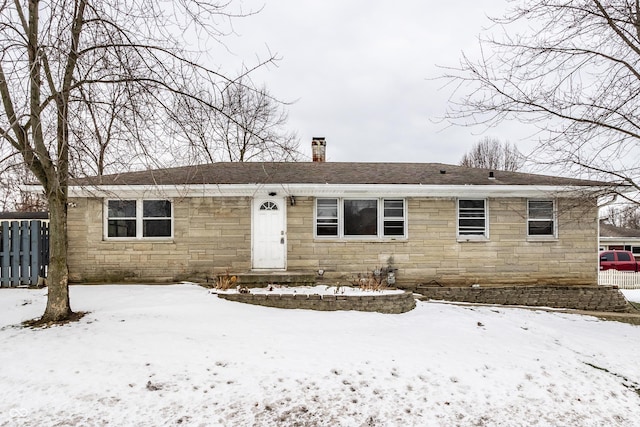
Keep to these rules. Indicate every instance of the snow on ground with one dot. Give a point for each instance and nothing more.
(632, 295)
(178, 355)
(309, 290)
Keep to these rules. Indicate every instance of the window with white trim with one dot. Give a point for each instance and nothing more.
(472, 218)
(393, 219)
(327, 217)
(360, 218)
(541, 218)
(139, 219)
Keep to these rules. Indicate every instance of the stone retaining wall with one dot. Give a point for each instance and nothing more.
(381, 303)
(590, 298)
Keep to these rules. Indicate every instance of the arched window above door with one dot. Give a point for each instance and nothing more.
(269, 206)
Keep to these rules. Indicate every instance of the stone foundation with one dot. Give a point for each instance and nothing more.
(589, 298)
(381, 303)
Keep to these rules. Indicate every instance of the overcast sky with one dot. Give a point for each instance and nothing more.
(361, 73)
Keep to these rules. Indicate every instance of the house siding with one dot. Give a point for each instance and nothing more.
(212, 235)
(433, 254)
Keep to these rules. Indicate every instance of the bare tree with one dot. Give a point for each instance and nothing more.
(623, 215)
(106, 128)
(249, 125)
(12, 197)
(570, 68)
(55, 53)
(490, 153)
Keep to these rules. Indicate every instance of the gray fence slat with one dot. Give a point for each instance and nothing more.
(34, 253)
(25, 252)
(4, 254)
(15, 253)
(44, 255)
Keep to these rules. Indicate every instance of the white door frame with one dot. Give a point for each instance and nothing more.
(274, 255)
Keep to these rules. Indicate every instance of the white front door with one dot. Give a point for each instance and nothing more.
(268, 234)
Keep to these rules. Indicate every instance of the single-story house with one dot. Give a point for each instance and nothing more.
(431, 222)
(619, 238)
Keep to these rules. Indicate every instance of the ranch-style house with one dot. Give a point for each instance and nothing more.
(429, 222)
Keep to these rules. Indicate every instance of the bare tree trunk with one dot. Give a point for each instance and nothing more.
(91, 53)
(58, 306)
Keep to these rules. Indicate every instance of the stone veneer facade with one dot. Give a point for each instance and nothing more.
(212, 235)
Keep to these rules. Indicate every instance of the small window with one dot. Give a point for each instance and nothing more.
(607, 256)
(327, 217)
(472, 218)
(268, 206)
(139, 218)
(541, 220)
(393, 222)
(624, 256)
(121, 220)
(156, 218)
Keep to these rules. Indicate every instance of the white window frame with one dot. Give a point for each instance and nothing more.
(380, 219)
(331, 220)
(385, 218)
(554, 219)
(343, 223)
(139, 218)
(473, 237)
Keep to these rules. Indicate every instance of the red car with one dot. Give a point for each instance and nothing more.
(618, 260)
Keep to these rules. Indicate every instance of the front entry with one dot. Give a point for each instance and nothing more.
(268, 234)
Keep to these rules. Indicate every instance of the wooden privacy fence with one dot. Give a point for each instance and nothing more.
(623, 279)
(24, 252)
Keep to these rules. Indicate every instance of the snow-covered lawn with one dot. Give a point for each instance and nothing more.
(178, 355)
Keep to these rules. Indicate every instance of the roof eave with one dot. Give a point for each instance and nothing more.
(616, 239)
(336, 190)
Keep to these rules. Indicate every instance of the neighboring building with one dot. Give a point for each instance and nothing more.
(434, 223)
(619, 238)
(24, 216)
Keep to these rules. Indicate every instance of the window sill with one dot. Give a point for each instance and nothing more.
(542, 239)
(363, 240)
(139, 240)
(472, 239)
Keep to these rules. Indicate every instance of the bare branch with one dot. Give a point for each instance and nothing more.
(490, 153)
(84, 81)
(573, 73)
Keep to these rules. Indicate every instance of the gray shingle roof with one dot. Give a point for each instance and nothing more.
(608, 230)
(328, 173)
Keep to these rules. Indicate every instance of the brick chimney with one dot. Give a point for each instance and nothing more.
(318, 145)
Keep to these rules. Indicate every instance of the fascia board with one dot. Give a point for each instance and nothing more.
(173, 191)
(405, 190)
(341, 190)
(618, 239)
